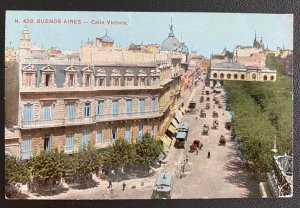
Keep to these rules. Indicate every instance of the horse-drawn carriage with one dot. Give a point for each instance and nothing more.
(215, 124)
(215, 114)
(202, 113)
(228, 125)
(192, 104)
(205, 129)
(207, 106)
(222, 140)
(201, 99)
(196, 145)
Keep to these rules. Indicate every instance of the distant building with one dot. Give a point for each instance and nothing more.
(229, 71)
(150, 48)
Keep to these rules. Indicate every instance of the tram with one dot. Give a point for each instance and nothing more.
(163, 186)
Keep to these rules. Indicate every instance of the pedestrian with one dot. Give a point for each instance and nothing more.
(223, 112)
(187, 160)
(124, 185)
(109, 183)
(196, 151)
(208, 154)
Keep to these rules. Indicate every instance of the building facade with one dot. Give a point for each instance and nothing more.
(66, 103)
(228, 71)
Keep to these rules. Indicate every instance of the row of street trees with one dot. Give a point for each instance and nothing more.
(263, 111)
(50, 167)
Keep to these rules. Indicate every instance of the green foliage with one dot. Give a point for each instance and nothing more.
(148, 149)
(262, 111)
(120, 154)
(15, 171)
(48, 167)
(86, 161)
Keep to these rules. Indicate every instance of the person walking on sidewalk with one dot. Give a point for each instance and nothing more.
(208, 154)
(124, 186)
(109, 183)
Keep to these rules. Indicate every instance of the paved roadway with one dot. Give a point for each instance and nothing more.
(221, 176)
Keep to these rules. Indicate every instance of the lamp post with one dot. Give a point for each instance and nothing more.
(274, 150)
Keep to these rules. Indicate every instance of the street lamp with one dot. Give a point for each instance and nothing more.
(274, 150)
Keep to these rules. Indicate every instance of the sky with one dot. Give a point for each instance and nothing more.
(205, 33)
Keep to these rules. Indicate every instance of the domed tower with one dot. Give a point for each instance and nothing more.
(24, 44)
(171, 43)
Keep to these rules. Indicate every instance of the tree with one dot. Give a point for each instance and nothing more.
(47, 167)
(15, 171)
(120, 154)
(148, 149)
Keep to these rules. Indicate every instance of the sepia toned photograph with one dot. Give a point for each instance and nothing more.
(148, 105)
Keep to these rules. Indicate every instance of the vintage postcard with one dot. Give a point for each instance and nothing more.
(148, 105)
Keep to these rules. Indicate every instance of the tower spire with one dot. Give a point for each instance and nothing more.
(171, 29)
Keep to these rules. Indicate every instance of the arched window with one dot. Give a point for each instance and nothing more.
(222, 76)
(265, 77)
(215, 75)
(242, 76)
(253, 76)
(235, 76)
(272, 77)
(228, 76)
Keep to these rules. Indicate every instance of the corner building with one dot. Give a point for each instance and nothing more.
(66, 103)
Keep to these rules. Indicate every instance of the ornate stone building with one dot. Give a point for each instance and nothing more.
(67, 103)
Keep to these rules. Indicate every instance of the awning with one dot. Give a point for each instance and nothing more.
(167, 140)
(178, 118)
(182, 110)
(172, 129)
(174, 122)
(179, 113)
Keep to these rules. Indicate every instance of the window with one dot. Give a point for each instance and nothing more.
(142, 81)
(85, 139)
(101, 82)
(215, 75)
(117, 81)
(87, 80)
(87, 109)
(47, 80)
(47, 142)
(140, 133)
(235, 76)
(99, 139)
(154, 81)
(127, 133)
(142, 106)
(153, 104)
(70, 112)
(242, 76)
(28, 80)
(222, 76)
(272, 77)
(27, 113)
(69, 143)
(114, 132)
(72, 80)
(253, 76)
(228, 76)
(153, 132)
(265, 77)
(47, 113)
(115, 108)
(100, 109)
(26, 148)
(128, 107)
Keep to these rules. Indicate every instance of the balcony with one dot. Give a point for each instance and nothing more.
(91, 120)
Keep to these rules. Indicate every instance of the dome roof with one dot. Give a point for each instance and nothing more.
(172, 44)
(106, 38)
